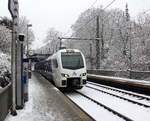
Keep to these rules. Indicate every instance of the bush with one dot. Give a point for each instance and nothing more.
(4, 80)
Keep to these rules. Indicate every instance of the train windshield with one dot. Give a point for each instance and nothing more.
(72, 60)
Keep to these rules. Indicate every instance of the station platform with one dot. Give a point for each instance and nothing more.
(47, 103)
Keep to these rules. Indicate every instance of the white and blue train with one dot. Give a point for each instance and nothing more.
(66, 68)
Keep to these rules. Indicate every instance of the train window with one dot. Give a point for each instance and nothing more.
(55, 63)
(72, 60)
(49, 66)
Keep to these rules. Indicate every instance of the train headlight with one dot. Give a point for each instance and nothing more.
(65, 75)
(83, 74)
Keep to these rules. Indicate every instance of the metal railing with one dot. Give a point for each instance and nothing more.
(5, 101)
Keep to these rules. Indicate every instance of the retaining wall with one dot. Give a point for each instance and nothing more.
(141, 75)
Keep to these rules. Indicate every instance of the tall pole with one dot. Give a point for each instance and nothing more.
(19, 82)
(13, 7)
(129, 39)
(13, 68)
(60, 43)
(19, 103)
(130, 59)
(97, 44)
(28, 25)
(91, 59)
(27, 43)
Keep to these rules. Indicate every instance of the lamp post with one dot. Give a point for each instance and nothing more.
(28, 65)
(28, 25)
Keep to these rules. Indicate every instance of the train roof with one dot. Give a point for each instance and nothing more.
(68, 50)
(64, 50)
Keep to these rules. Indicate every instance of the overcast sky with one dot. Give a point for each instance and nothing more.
(61, 14)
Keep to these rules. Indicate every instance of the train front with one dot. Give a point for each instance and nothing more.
(73, 71)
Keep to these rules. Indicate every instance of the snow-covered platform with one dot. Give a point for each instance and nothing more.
(47, 103)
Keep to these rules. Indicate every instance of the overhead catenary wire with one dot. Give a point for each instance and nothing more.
(93, 4)
(109, 4)
(95, 15)
(88, 8)
(146, 11)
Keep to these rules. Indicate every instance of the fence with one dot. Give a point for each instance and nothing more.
(5, 101)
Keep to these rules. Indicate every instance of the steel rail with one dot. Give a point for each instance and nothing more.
(128, 93)
(132, 101)
(106, 107)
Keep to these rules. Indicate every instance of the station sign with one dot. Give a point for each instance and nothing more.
(25, 60)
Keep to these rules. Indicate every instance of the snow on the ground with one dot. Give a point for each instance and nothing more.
(42, 104)
(130, 97)
(135, 112)
(5, 63)
(97, 112)
(34, 110)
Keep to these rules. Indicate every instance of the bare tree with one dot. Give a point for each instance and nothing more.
(22, 28)
(5, 39)
(52, 40)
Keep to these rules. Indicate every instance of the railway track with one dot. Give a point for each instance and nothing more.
(131, 97)
(125, 105)
(106, 107)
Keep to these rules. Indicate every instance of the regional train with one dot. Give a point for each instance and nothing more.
(66, 68)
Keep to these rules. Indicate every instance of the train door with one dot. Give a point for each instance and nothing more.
(55, 72)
